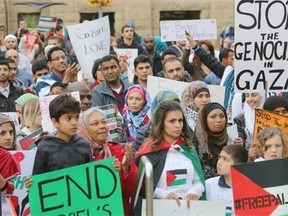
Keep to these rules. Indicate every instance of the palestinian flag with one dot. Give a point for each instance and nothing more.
(47, 24)
(261, 188)
(176, 177)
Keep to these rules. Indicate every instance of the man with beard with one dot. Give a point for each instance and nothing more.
(173, 69)
(8, 92)
(61, 71)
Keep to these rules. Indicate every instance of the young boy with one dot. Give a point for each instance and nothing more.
(219, 188)
(65, 148)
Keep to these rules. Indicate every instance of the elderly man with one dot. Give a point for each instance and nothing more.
(85, 94)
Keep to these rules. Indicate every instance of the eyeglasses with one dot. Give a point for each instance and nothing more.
(106, 69)
(89, 97)
(59, 58)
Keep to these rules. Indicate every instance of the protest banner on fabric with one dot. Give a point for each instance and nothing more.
(129, 56)
(170, 207)
(202, 29)
(91, 41)
(261, 188)
(112, 116)
(261, 45)
(264, 118)
(25, 160)
(156, 84)
(44, 107)
(47, 24)
(89, 189)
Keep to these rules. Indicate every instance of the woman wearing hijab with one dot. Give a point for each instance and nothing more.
(93, 127)
(176, 165)
(144, 131)
(137, 105)
(213, 119)
(193, 97)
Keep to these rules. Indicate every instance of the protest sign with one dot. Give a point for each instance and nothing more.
(25, 160)
(261, 188)
(199, 208)
(91, 41)
(129, 55)
(204, 29)
(89, 189)
(111, 114)
(47, 24)
(156, 84)
(264, 118)
(7, 208)
(27, 142)
(44, 107)
(261, 45)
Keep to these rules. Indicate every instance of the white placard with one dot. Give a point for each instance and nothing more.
(203, 29)
(232, 131)
(130, 55)
(165, 207)
(156, 84)
(90, 40)
(261, 51)
(44, 107)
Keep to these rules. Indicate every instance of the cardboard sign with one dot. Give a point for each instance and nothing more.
(47, 24)
(264, 118)
(261, 46)
(156, 84)
(199, 208)
(204, 29)
(91, 41)
(25, 159)
(129, 55)
(111, 120)
(261, 188)
(89, 189)
(44, 107)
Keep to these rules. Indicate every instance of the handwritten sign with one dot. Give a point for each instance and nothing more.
(129, 55)
(90, 189)
(25, 159)
(261, 45)
(260, 188)
(47, 24)
(111, 121)
(264, 118)
(200, 29)
(199, 208)
(44, 107)
(90, 40)
(156, 84)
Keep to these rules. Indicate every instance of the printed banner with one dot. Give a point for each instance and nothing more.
(25, 160)
(264, 118)
(203, 29)
(261, 45)
(91, 41)
(111, 120)
(47, 24)
(90, 189)
(261, 188)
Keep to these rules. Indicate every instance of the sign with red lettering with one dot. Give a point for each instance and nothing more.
(260, 188)
(261, 48)
(89, 189)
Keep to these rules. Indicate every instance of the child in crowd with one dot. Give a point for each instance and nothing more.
(65, 148)
(272, 144)
(219, 188)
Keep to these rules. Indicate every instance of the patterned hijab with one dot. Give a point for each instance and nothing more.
(188, 104)
(83, 132)
(134, 121)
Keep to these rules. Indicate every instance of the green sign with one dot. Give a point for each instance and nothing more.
(90, 189)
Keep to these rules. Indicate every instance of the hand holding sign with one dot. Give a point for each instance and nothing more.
(190, 40)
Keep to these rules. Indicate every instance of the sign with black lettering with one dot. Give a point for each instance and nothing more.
(91, 41)
(261, 53)
(264, 118)
(261, 188)
(89, 189)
